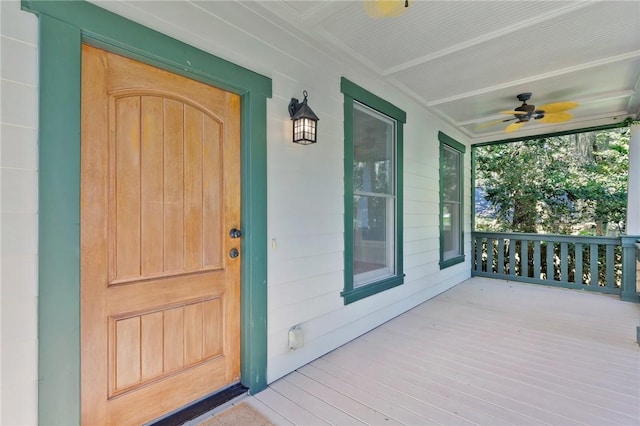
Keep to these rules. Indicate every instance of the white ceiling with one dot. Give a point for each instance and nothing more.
(468, 60)
(465, 61)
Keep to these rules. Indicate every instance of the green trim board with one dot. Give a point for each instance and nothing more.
(120, 35)
(59, 224)
(352, 92)
(447, 142)
(63, 27)
(371, 100)
(550, 135)
(559, 284)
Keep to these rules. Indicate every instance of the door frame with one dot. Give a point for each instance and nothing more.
(63, 27)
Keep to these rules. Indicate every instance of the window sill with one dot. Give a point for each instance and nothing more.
(356, 294)
(450, 262)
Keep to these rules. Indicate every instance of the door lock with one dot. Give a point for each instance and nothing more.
(235, 233)
(233, 253)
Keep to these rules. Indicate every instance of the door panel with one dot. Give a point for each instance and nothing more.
(160, 189)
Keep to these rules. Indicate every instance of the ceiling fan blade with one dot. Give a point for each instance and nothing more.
(489, 124)
(514, 126)
(556, 117)
(378, 9)
(557, 107)
(514, 112)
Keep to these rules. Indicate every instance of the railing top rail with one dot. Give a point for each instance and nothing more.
(549, 237)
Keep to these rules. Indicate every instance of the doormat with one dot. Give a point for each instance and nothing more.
(241, 414)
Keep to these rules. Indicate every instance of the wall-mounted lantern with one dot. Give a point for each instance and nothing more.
(305, 122)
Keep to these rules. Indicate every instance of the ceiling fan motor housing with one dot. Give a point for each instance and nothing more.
(524, 97)
(528, 109)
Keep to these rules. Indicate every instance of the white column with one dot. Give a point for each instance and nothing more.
(633, 190)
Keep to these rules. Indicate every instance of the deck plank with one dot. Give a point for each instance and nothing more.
(402, 372)
(371, 395)
(535, 362)
(355, 409)
(405, 399)
(291, 411)
(487, 352)
(292, 389)
(268, 412)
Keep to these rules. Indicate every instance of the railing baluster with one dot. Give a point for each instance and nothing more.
(578, 277)
(479, 254)
(501, 256)
(611, 280)
(512, 256)
(550, 259)
(536, 259)
(524, 258)
(474, 244)
(490, 255)
(593, 265)
(564, 262)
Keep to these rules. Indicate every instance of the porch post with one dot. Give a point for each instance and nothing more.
(629, 277)
(628, 292)
(633, 189)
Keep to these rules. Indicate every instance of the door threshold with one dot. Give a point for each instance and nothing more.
(201, 407)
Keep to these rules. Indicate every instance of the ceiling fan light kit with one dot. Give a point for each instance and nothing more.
(378, 9)
(549, 113)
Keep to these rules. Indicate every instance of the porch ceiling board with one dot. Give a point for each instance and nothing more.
(486, 352)
(467, 60)
(464, 61)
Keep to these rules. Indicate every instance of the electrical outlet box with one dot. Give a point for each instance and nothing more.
(296, 338)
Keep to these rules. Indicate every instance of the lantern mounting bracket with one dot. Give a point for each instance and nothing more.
(295, 105)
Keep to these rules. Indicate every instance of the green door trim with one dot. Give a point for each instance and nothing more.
(63, 27)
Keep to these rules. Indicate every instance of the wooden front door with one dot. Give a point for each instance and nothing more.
(160, 191)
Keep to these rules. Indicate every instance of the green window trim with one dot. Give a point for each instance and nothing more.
(63, 26)
(352, 92)
(446, 142)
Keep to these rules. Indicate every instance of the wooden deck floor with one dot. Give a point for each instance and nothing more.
(487, 352)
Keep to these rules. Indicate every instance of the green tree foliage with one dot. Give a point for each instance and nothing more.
(561, 184)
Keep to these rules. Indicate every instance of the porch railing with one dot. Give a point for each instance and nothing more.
(601, 264)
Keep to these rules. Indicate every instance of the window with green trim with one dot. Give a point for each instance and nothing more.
(373, 193)
(451, 201)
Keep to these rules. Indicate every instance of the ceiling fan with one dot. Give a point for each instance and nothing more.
(549, 113)
(378, 9)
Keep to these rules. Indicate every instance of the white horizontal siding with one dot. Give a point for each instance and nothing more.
(305, 183)
(18, 57)
(18, 215)
(21, 100)
(19, 147)
(296, 292)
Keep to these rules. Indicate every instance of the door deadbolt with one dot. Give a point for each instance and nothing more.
(233, 253)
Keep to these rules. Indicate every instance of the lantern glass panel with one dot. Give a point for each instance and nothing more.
(304, 131)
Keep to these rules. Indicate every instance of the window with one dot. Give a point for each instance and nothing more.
(373, 193)
(451, 201)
